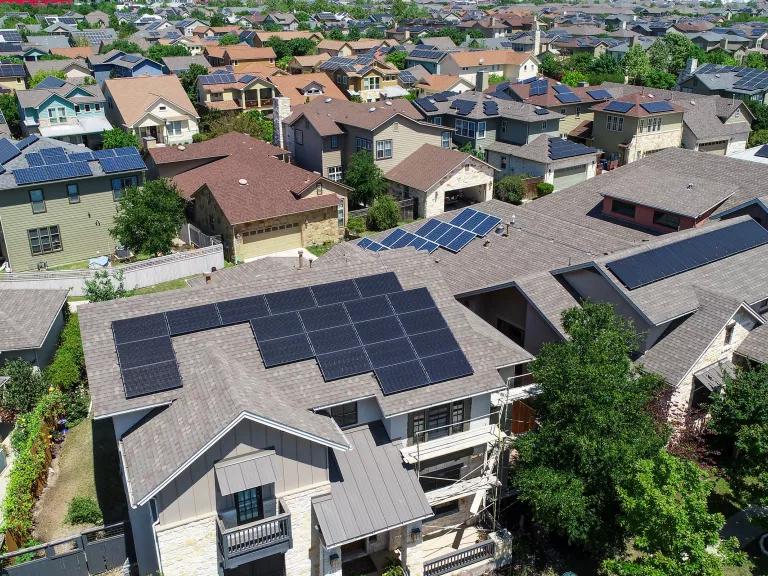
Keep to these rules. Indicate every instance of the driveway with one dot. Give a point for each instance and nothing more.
(292, 253)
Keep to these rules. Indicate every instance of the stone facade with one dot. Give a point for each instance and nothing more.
(321, 226)
(305, 552)
(189, 548)
(647, 143)
(414, 554)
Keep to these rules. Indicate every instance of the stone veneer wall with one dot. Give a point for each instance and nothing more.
(189, 548)
(305, 551)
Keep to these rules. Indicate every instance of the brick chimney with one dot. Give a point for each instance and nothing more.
(536, 37)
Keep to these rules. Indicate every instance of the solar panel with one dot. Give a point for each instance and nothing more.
(290, 300)
(479, 223)
(277, 326)
(151, 379)
(343, 363)
(75, 157)
(427, 227)
(400, 377)
(426, 105)
(108, 153)
(763, 152)
(446, 366)
(561, 148)
(567, 97)
(390, 352)
(411, 300)
(490, 108)
(34, 159)
(440, 97)
(334, 339)
(539, 88)
(654, 107)
(144, 352)
(133, 329)
(659, 263)
(125, 151)
(432, 343)
(393, 237)
(542, 111)
(25, 142)
(193, 319)
(599, 94)
(562, 88)
(407, 77)
(378, 330)
(368, 308)
(422, 321)
(621, 107)
(54, 155)
(378, 284)
(51, 173)
(371, 245)
(8, 151)
(242, 309)
(122, 164)
(285, 350)
(332, 292)
(324, 317)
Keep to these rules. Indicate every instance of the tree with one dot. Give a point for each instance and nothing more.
(397, 57)
(229, 39)
(25, 387)
(157, 52)
(41, 75)
(353, 33)
(573, 78)
(217, 20)
(10, 109)
(664, 508)
(149, 217)
(384, 214)
(720, 56)
(365, 178)
(604, 64)
(123, 46)
(103, 287)
(374, 33)
(189, 79)
(118, 138)
(659, 79)
(550, 66)
(335, 34)
(758, 137)
(510, 189)
(594, 425)
(635, 64)
(755, 60)
(253, 123)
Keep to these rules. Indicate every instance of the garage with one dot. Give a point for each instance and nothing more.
(263, 241)
(718, 147)
(565, 177)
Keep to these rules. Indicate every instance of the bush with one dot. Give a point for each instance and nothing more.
(510, 189)
(76, 406)
(102, 287)
(356, 225)
(544, 188)
(83, 510)
(25, 387)
(384, 214)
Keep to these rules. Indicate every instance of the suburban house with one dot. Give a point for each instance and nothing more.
(352, 48)
(238, 54)
(155, 108)
(428, 57)
(13, 77)
(187, 26)
(306, 64)
(118, 64)
(285, 20)
(259, 38)
(246, 192)
(180, 64)
(511, 65)
(726, 81)
(32, 320)
(73, 113)
(302, 88)
(76, 70)
(429, 84)
(228, 91)
(58, 201)
(366, 77)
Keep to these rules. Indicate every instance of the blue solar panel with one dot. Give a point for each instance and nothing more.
(460, 241)
(372, 331)
(763, 152)
(432, 343)
(541, 111)
(143, 352)
(335, 292)
(343, 364)
(125, 151)
(411, 300)
(368, 308)
(400, 377)
(427, 227)
(25, 142)
(334, 339)
(561, 148)
(659, 263)
(428, 246)
(290, 300)
(76, 157)
(54, 155)
(567, 97)
(390, 352)
(655, 107)
(324, 317)
(122, 164)
(422, 321)
(371, 245)
(8, 151)
(490, 108)
(108, 153)
(378, 284)
(51, 173)
(193, 319)
(538, 88)
(436, 233)
(34, 159)
(463, 216)
(277, 326)
(151, 379)
(599, 94)
(562, 88)
(285, 350)
(393, 237)
(426, 105)
(446, 366)
(242, 309)
(621, 107)
(475, 220)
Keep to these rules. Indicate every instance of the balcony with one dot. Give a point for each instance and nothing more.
(480, 552)
(259, 539)
(442, 446)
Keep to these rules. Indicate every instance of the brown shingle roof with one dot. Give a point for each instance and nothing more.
(135, 96)
(427, 166)
(74, 52)
(290, 86)
(489, 57)
(217, 148)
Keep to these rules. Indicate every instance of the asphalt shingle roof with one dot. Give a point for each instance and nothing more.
(26, 317)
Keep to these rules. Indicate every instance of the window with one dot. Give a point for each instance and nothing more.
(383, 149)
(563, 111)
(653, 125)
(441, 477)
(44, 240)
(37, 199)
(729, 333)
(120, 184)
(73, 193)
(371, 83)
(345, 415)
(174, 127)
(299, 136)
(666, 219)
(249, 505)
(438, 421)
(334, 173)
(438, 120)
(77, 108)
(615, 123)
(334, 142)
(87, 107)
(98, 107)
(544, 125)
(578, 111)
(446, 139)
(480, 130)
(465, 128)
(162, 108)
(503, 125)
(57, 115)
(362, 144)
(623, 208)
(503, 162)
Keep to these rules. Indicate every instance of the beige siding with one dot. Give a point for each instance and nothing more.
(299, 464)
(407, 137)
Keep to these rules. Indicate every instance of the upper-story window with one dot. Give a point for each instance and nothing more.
(614, 123)
(383, 149)
(362, 144)
(73, 193)
(623, 208)
(334, 142)
(174, 127)
(371, 83)
(437, 120)
(37, 199)
(345, 414)
(464, 128)
(653, 125)
(120, 184)
(57, 115)
(544, 125)
(446, 139)
(480, 130)
(438, 421)
(666, 219)
(249, 505)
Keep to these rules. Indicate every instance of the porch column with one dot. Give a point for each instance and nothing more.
(330, 561)
(258, 98)
(414, 553)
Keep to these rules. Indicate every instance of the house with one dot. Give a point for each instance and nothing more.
(364, 77)
(54, 217)
(352, 48)
(306, 87)
(13, 77)
(179, 64)
(286, 21)
(238, 54)
(323, 134)
(227, 91)
(118, 64)
(430, 84)
(259, 38)
(306, 64)
(155, 108)
(428, 57)
(76, 70)
(75, 52)
(32, 320)
(244, 191)
(69, 112)
(511, 65)
(187, 26)
(726, 81)
(97, 39)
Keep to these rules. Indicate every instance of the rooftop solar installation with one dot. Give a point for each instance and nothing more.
(426, 104)
(193, 319)
(490, 108)
(562, 89)
(763, 152)
(8, 151)
(133, 329)
(463, 107)
(599, 94)
(122, 163)
(560, 148)
(151, 379)
(538, 88)
(371, 245)
(242, 309)
(567, 97)
(617, 106)
(542, 111)
(476, 222)
(26, 142)
(678, 257)
(35, 159)
(654, 107)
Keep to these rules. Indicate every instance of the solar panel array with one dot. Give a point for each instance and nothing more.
(7, 70)
(406, 77)
(538, 88)
(542, 111)
(560, 148)
(751, 79)
(561, 88)
(51, 164)
(426, 104)
(218, 78)
(763, 152)
(655, 107)
(350, 327)
(599, 94)
(567, 97)
(617, 106)
(463, 107)
(490, 108)
(666, 261)
(426, 54)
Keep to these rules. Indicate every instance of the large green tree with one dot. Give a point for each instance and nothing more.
(635, 64)
(157, 52)
(118, 138)
(229, 39)
(365, 178)
(25, 387)
(189, 79)
(149, 217)
(594, 425)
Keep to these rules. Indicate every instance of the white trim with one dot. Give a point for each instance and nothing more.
(132, 410)
(325, 407)
(457, 399)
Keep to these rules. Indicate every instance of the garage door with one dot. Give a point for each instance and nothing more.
(569, 176)
(714, 147)
(267, 241)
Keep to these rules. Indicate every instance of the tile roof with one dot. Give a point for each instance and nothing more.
(27, 315)
(428, 165)
(133, 97)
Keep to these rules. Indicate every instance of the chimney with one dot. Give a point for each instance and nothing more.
(281, 109)
(691, 65)
(301, 259)
(536, 37)
(623, 24)
(481, 81)
(207, 278)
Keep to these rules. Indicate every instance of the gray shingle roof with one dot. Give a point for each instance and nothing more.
(26, 317)
(755, 345)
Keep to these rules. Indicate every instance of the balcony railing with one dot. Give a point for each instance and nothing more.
(248, 542)
(460, 559)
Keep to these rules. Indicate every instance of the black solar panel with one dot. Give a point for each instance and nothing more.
(621, 107)
(390, 352)
(334, 339)
(561, 88)
(343, 363)
(426, 105)
(192, 319)
(285, 350)
(654, 107)
(276, 326)
(446, 366)
(378, 330)
(324, 317)
(567, 97)
(763, 152)
(541, 111)
(599, 94)
(378, 284)
(490, 108)
(422, 321)
(242, 309)
(411, 300)
(290, 300)
(432, 343)
(368, 308)
(333, 292)
(133, 329)
(144, 352)
(151, 379)
(659, 263)
(400, 377)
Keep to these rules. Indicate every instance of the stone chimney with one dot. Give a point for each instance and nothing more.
(691, 65)
(536, 37)
(481, 80)
(281, 109)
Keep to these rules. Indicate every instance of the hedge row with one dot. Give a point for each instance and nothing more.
(67, 372)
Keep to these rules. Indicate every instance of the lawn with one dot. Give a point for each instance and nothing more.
(320, 249)
(161, 287)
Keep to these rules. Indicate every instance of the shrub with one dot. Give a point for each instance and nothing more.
(102, 287)
(25, 387)
(510, 189)
(83, 510)
(384, 214)
(76, 406)
(356, 225)
(544, 188)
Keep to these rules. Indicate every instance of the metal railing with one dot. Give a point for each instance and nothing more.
(255, 536)
(460, 559)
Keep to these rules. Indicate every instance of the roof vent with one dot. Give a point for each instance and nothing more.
(693, 102)
(388, 102)
(242, 182)
(372, 109)
(327, 100)
(651, 96)
(182, 147)
(689, 186)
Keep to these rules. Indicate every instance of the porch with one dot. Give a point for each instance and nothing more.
(245, 543)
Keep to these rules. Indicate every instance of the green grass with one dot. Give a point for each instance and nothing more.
(79, 265)
(161, 287)
(320, 249)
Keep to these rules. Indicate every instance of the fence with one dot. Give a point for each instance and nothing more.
(406, 210)
(92, 552)
(136, 275)
(195, 237)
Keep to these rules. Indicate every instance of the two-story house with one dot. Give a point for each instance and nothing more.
(118, 64)
(365, 77)
(70, 112)
(58, 200)
(13, 77)
(238, 54)
(155, 108)
(224, 91)
(511, 65)
(726, 81)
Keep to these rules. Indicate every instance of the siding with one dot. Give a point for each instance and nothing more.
(406, 136)
(298, 463)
